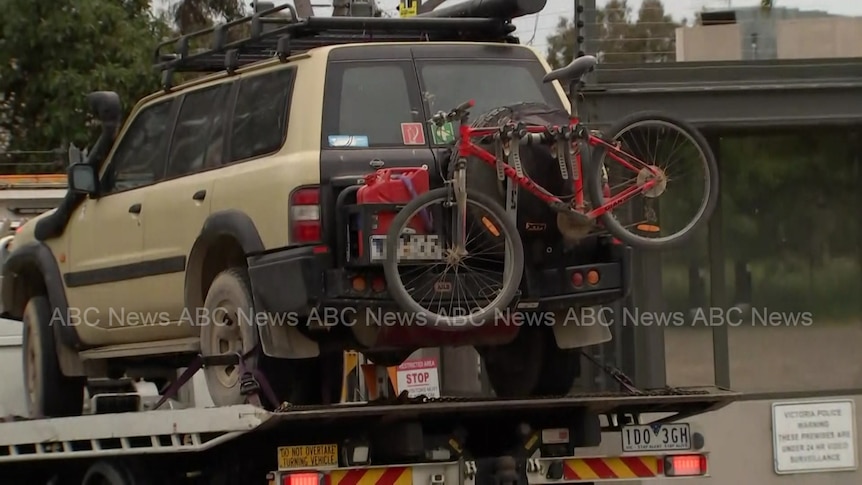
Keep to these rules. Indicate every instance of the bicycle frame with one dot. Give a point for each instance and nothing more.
(466, 148)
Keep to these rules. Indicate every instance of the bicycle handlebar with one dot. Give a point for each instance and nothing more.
(464, 106)
(458, 112)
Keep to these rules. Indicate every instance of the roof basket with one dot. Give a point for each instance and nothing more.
(279, 32)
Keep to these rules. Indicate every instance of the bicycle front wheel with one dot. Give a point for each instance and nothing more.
(677, 162)
(442, 284)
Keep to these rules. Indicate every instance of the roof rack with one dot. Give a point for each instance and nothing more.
(279, 32)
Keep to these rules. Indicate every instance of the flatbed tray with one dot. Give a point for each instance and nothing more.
(199, 429)
(680, 401)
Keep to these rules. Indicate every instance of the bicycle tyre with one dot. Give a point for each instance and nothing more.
(613, 226)
(452, 323)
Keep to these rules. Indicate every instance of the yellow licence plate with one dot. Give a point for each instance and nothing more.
(307, 456)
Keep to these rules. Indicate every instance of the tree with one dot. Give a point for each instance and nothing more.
(192, 15)
(561, 44)
(620, 38)
(766, 4)
(48, 66)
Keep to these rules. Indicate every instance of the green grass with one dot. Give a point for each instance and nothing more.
(830, 292)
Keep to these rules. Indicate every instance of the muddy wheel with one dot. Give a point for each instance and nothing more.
(49, 392)
(531, 365)
(231, 326)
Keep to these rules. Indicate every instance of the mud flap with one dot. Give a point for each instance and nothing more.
(580, 335)
(285, 285)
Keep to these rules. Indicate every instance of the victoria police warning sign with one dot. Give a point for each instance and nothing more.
(814, 436)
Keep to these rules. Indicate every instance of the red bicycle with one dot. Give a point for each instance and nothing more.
(628, 211)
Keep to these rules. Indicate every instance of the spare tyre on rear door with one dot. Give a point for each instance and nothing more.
(538, 163)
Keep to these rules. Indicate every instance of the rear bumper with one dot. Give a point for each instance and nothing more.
(288, 280)
(295, 280)
(554, 289)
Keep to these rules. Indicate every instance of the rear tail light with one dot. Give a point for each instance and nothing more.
(592, 278)
(359, 284)
(305, 216)
(685, 465)
(301, 479)
(577, 279)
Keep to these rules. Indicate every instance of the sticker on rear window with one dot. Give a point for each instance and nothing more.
(342, 141)
(413, 133)
(443, 134)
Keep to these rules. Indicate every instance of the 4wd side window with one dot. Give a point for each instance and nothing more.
(366, 103)
(140, 157)
(197, 141)
(260, 116)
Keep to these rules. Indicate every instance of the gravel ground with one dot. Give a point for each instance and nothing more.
(821, 356)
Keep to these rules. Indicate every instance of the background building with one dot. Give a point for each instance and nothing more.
(757, 34)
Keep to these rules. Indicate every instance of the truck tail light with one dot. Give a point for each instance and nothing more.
(301, 479)
(555, 436)
(685, 465)
(305, 216)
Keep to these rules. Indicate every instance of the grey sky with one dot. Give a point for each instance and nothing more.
(539, 28)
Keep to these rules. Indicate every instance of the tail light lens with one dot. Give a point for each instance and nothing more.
(305, 216)
(301, 479)
(685, 465)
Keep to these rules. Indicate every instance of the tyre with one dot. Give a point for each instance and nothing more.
(114, 472)
(232, 326)
(650, 124)
(531, 365)
(494, 221)
(49, 392)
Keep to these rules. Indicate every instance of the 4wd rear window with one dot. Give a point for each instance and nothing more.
(366, 102)
(490, 83)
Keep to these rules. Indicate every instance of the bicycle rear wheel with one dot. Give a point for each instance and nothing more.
(428, 278)
(659, 217)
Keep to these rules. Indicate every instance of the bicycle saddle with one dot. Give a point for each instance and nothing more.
(574, 71)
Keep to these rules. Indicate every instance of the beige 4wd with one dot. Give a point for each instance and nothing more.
(212, 221)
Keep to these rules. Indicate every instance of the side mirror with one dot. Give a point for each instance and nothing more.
(75, 155)
(82, 179)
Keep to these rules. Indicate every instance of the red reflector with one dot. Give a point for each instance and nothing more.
(684, 465)
(301, 479)
(577, 279)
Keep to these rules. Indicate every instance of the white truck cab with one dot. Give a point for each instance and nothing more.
(12, 400)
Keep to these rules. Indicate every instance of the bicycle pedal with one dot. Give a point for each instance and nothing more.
(574, 226)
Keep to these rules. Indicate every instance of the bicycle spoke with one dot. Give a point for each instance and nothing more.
(666, 197)
(470, 277)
